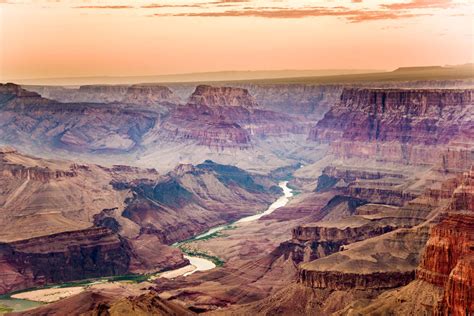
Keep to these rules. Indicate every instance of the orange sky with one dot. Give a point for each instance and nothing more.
(54, 38)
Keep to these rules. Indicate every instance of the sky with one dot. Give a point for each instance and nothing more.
(74, 38)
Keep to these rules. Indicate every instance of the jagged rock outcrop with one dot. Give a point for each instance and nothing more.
(458, 293)
(449, 241)
(409, 126)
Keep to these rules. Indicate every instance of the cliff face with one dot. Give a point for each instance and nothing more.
(449, 241)
(207, 127)
(62, 257)
(448, 263)
(226, 117)
(396, 125)
(334, 280)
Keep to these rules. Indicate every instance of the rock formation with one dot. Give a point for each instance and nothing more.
(221, 97)
(396, 125)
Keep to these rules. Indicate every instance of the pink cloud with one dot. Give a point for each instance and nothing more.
(419, 4)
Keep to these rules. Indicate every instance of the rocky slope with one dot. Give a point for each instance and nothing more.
(62, 257)
(201, 196)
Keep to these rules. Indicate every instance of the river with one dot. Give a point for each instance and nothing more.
(196, 263)
(202, 264)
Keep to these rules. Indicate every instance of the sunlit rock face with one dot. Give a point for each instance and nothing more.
(397, 125)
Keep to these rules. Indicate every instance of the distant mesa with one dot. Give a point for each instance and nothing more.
(205, 95)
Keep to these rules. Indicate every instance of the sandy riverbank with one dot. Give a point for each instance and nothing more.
(49, 295)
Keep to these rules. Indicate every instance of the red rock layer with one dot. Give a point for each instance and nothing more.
(76, 255)
(334, 280)
(449, 241)
(459, 290)
(396, 125)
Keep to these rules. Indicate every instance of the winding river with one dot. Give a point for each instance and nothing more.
(202, 264)
(197, 263)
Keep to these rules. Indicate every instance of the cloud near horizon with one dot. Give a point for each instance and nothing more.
(419, 4)
(353, 11)
(353, 16)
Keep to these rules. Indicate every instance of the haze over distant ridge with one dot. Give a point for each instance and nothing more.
(229, 75)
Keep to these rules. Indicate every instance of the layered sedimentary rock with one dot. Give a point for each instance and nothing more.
(313, 100)
(226, 117)
(74, 221)
(447, 262)
(409, 126)
(62, 257)
(29, 119)
(378, 268)
(450, 240)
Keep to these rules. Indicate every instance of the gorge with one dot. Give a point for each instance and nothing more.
(348, 197)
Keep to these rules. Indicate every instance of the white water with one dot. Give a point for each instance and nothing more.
(202, 264)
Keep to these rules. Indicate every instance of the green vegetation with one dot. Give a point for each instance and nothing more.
(5, 309)
(216, 260)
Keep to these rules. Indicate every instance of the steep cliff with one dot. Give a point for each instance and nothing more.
(62, 257)
(396, 125)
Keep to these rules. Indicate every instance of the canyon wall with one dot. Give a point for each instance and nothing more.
(62, 257)
(409, 126)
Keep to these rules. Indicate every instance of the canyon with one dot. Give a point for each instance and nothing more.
(118, 180)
